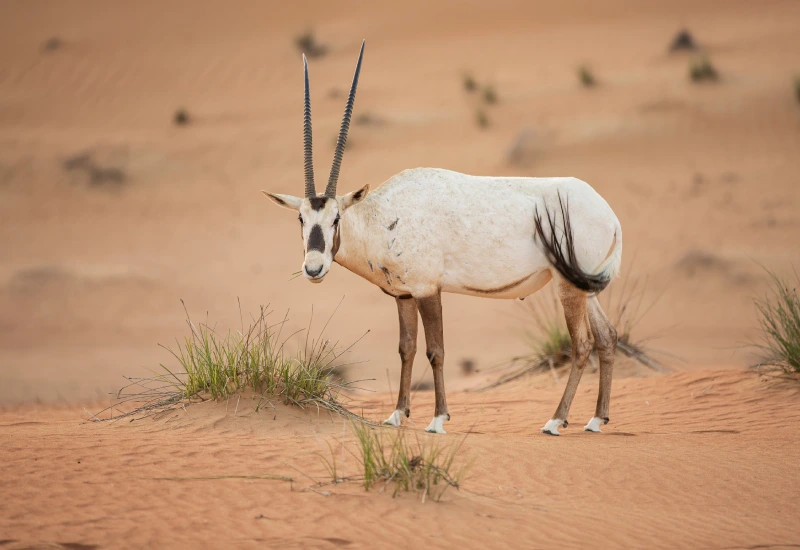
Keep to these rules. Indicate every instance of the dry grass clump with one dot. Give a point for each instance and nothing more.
(779, 319)
(586, 77)
(701, 70)
(215, 365)
(549, 343)
(391, 457)
(797, 88)
(308, 44)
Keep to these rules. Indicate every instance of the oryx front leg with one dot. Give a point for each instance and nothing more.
(430, 310)
(605, 336)
(574, 302)
(407, 312)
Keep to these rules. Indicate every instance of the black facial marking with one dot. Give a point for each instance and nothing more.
(318, 203)
(316, 241)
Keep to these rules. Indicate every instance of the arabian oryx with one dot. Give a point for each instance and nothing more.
(426, 231)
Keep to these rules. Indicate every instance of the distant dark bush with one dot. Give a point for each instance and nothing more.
(52, 44)
(586, 77)
(683, 41)
(797, 88)
(701, 70)
(181, 117)
(489, 94)
(469, 83)
(481, 118)
(307, 43)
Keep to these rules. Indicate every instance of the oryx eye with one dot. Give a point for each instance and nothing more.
(336, 221)
(301, 219)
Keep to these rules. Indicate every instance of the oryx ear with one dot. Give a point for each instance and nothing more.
(287, 201)
(355, 197)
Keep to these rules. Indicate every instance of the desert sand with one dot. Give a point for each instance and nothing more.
(110, 214)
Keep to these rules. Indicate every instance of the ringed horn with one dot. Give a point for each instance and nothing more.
(330, 190)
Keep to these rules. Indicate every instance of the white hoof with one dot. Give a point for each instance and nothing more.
(437, 424)
(594, 425)
(395, 420)
(552, 426)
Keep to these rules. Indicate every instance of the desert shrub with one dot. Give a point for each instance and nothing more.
(779, 319)
(418, 465)
(489, 94)
(683, 41)
(308, 44)
(797, 88)
(481, 118)
(181, 117)
(469, 83)
(701, 70)
(586, 77)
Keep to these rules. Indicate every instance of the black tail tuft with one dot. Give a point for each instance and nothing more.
(554, 249)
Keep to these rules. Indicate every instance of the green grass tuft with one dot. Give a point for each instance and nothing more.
(779, 318)
(701, 70)
(424, 466)
(586, 77)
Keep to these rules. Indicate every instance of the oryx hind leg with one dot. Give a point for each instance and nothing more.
(407, 312)
(574, 302)
(605, 336)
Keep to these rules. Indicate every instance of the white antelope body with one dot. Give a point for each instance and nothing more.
(426, 231)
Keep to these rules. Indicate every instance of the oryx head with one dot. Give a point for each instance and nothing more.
(320, 214)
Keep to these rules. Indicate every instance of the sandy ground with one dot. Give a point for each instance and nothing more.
(690, 460)
(704, 179)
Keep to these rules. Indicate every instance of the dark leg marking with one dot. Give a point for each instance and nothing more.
(430, 310)
(407, 312)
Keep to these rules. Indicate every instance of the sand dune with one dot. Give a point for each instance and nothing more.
(110, 214)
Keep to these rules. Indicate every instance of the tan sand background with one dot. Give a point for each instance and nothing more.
(704, 179)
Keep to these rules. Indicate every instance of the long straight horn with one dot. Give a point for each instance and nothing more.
(330, 191)
(307, 148)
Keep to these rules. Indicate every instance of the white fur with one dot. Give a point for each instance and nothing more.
(552, 426)
(464, 234)
(437, 424)
(395, 419)
(594, 425)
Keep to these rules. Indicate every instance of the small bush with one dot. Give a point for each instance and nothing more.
(586, 77)
(425, 466)
(489, 94)
(481, 118)
(181, 117)
(683, 41)
(52, 44)
(307, 43)
(779, 318)
(797, 88)
(701, 70)
(469, 83)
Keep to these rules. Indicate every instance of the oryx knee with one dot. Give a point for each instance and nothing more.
(407, 350)
(435, 356)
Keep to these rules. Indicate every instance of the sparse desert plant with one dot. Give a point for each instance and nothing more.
(549, 343)
(489, 94)
(181, 117)
(219, 365)
(52, 44)
(586, 77)
(469, 83)
(683, 41)
(701, 70)
(481, 118)
(797, 88)
(424, 465)
(779, 319)
(307, 43)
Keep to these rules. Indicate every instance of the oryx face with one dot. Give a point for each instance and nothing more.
(320, 218)
(320, 215)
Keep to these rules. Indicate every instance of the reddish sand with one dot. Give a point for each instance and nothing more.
(703, 178)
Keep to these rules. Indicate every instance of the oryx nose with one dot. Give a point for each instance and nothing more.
(313, 272)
